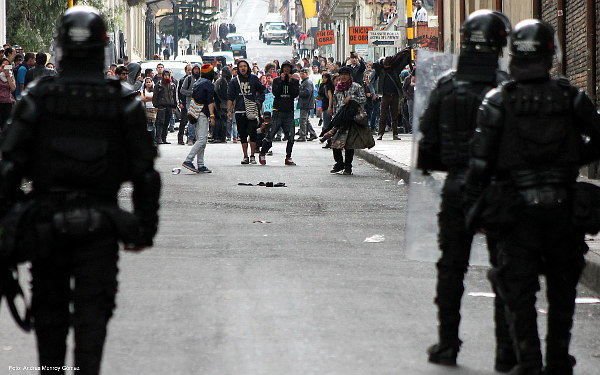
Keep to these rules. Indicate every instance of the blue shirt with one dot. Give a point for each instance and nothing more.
(20, 80)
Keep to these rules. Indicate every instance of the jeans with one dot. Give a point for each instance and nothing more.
(163, 116)
(389, 103)
(374, 119)
(232, 128)
(201, 139)
(285, 121)
(326, 119)
(411, 104)
(182, 124)
(339, 159)
(305, 125)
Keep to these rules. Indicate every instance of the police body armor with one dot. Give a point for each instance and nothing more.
(459, 103)
(540, 151)
(461, 100)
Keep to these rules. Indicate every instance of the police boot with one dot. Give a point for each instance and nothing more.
(444, 353)
(558, 359)
(523, 326)
(506, 358)
(449, 292)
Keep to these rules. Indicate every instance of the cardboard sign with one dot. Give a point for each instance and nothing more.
(325, 37)
(359, 35)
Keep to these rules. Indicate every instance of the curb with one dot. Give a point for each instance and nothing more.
(591, 273)
(381, 161)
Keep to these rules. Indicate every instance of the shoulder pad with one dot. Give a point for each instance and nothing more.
(126, 91)
(34, 87)
(494, 97)
(446, 78)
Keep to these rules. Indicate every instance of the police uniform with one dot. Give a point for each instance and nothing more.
(530, 140)
(448, 125)
(78, 137)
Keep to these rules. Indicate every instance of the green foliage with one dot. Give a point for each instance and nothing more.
(32, 23)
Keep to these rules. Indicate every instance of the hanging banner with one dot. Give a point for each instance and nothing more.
(359, 35)
(325, 37)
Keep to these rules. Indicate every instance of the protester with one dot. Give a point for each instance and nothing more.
(305, 105)
(285, 90)
(344, 126)
(247, 94)
(389, 87)
(203, 94)
(165, 100)
(40, 69)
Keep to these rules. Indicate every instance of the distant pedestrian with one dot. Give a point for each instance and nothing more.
(305, 105)
(165, 99)
(166, 53)
(203, 94)
(247, 94)
(285, 90)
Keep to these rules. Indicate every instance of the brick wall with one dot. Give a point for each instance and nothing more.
(576, 51)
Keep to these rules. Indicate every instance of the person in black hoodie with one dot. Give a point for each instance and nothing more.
(285, 90)
(246, 94)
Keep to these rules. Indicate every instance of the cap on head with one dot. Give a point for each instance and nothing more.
(532, 39)
(207, 71)
(81, 28)
(484, 31)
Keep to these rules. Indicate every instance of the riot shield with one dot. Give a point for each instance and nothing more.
(424, 189)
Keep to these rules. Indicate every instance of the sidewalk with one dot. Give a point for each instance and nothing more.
(395, 157)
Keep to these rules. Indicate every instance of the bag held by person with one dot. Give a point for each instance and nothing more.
(251, 109)
(194, 110)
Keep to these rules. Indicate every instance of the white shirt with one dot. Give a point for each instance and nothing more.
(420, 15)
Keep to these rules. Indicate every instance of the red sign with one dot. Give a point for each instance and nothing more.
(359, 35)
(325, 37)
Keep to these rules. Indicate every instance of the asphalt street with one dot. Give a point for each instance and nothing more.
(256, 280)
(305, 279)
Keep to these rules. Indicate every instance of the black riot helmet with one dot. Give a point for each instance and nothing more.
(484, 31)
(81, 31)
(532, 39)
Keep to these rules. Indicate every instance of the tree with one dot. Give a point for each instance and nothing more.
(32, 23)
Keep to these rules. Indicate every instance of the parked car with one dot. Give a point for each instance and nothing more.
(276, 32)
(238, 45)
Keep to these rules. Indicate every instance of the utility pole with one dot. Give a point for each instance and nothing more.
(410, 32)
(176, 29)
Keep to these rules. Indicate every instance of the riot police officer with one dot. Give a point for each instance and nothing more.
(530, 142)
(78, 137)
(447, 125)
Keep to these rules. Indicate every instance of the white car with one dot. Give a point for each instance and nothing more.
(177, 68)
(276, 32)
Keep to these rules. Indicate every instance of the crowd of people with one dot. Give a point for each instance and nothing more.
(17, 69)
(235, 101)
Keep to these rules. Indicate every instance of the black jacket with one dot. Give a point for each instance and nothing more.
(285, 92)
